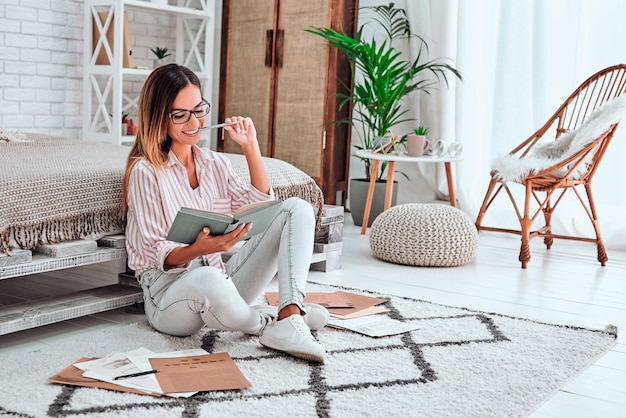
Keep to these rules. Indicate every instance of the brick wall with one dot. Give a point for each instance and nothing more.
(41, 62)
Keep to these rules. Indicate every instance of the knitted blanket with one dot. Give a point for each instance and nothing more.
(286, 180)
(56, 189)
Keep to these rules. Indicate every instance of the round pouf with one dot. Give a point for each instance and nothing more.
(419, 234)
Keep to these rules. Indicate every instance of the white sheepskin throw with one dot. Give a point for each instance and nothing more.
(542, 156)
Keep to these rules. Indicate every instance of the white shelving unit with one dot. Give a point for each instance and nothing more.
(105, 98)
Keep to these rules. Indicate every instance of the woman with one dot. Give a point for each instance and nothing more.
(188, 286)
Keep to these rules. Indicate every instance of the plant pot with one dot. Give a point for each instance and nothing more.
(379, 141)
(358, 195)
(160, 61)
(416, 144)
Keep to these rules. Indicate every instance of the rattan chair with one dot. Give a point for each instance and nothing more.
(545, 186)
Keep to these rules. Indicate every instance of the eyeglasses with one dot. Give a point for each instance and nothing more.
(182, 116)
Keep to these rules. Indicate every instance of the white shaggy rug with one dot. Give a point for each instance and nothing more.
(460, 362)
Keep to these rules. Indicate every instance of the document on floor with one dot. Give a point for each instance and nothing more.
(178, 374)
(371, 310)
(340, 304)
(373, 325)
(117, 364)
(326, 299)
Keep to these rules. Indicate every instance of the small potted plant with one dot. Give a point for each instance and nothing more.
(161, 54)
(416, 142)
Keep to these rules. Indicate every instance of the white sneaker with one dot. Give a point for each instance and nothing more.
(293, 336)
(316, 317)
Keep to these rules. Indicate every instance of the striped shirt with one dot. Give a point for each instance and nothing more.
(156, 195)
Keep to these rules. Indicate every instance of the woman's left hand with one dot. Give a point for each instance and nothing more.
(243, 133)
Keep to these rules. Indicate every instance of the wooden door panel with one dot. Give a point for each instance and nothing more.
(290, 91)
(247, 81)
(300, 89)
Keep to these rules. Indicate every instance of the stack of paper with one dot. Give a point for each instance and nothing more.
(354, 312)
(176, 374)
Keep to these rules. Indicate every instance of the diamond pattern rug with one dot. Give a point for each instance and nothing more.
(459, 362)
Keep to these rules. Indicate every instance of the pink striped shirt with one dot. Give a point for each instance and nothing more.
(156, 195)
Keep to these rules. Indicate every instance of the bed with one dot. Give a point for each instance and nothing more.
(59, 194)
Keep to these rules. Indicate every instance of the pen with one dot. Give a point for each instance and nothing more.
(126, 376)
(220, 125)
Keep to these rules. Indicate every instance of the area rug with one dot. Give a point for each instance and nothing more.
(460, 362)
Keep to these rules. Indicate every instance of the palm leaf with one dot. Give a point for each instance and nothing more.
(392, 20)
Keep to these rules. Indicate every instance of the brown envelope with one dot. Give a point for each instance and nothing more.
(198, 373)
(335, 301)
(327, 300)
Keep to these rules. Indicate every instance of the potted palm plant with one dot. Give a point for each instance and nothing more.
(383, 78)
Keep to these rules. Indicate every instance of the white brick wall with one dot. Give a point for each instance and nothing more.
(41, 62)
(41, 59)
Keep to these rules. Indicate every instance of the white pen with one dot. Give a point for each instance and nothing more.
(220, 125)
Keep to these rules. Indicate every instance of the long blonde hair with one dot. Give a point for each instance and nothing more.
(155, 102)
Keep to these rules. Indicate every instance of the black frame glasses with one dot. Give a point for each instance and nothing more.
(200, 111)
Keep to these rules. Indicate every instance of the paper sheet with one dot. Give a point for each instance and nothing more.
(373, 325)
(117, 364)
(73, 376)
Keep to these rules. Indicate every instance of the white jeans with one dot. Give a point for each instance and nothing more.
(182, 303)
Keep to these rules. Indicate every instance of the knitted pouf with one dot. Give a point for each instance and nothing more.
(420, 234)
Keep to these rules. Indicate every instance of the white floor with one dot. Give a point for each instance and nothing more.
(565, 285)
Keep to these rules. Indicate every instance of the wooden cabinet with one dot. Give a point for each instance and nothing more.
(285, 79)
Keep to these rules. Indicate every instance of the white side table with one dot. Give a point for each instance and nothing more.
(392, 159)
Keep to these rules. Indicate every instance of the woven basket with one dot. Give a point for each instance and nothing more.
(429, 235)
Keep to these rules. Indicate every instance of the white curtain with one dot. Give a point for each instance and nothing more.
(519, 60)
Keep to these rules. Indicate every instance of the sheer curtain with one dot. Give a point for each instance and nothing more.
(520, 60)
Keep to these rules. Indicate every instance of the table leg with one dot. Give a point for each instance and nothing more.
(389, 188)
(370, 196)
(450, 184)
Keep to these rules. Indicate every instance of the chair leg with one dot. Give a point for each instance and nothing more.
(547, 215)
(602, 257)
(485, 205)
(525, 224)
(524, 251)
